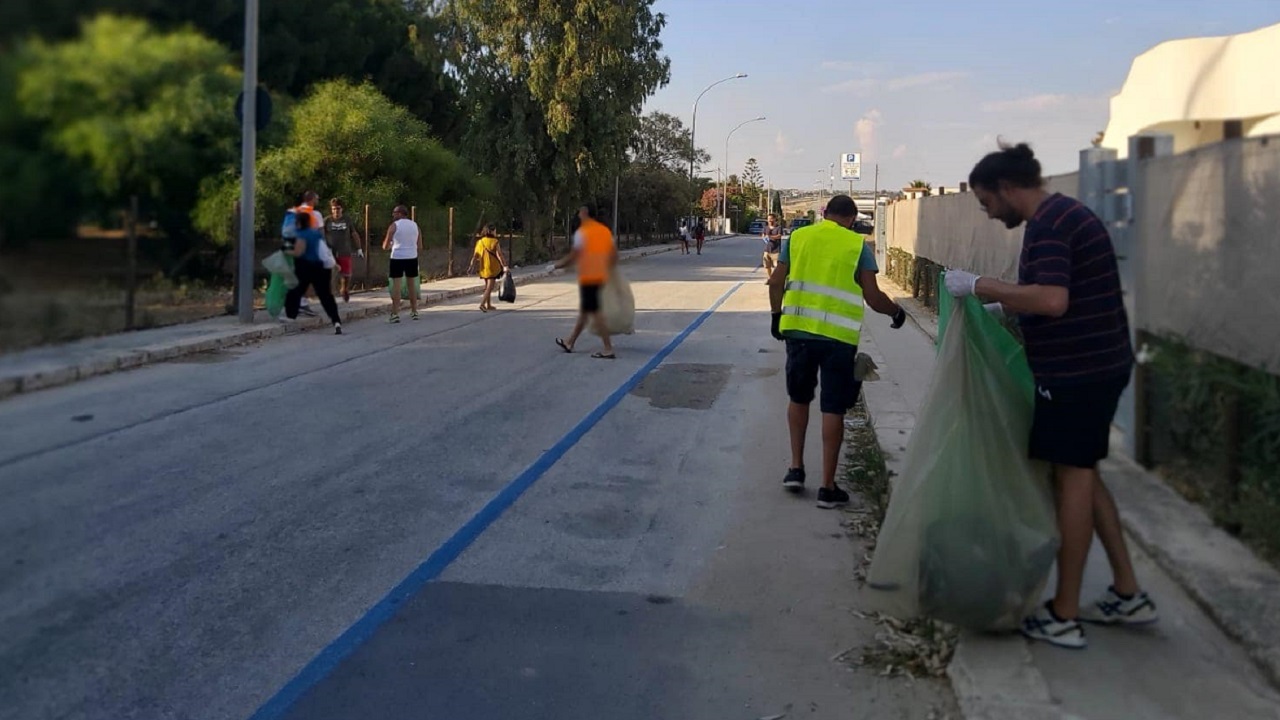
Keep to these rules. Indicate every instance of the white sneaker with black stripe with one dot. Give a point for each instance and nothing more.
(1112, 609)
(1043, 625)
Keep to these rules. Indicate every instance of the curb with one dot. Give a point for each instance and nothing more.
(108, 362)
(1235, 588)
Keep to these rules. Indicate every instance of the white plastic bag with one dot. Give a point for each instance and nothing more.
(326, 255)
(277, 264)
(617, 305)
(970, 534)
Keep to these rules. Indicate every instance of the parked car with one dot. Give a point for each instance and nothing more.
(757, 227)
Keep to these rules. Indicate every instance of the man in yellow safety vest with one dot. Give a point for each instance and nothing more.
(825, 275)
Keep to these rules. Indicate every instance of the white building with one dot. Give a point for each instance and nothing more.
(1200, 91)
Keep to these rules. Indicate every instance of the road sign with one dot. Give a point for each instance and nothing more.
(263, 110)
(851, 166)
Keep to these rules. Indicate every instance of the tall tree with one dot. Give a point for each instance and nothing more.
(348, 141)
(394, 43)
(661, 140)
(146, 113)
(753, 181)
(554, 90)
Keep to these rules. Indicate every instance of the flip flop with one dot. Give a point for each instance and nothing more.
(563, 347)
(601, 356)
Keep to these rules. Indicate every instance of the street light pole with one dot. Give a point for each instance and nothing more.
(248, 163)
(693, 126)
(724, 199)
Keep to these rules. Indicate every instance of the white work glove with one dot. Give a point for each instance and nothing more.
(995, 309)
(360, 252)
(960, 283)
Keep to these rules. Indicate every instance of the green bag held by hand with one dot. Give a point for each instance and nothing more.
(970, 534)
(404, 286)
(276, 291)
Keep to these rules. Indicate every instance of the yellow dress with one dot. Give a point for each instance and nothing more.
(487, 251)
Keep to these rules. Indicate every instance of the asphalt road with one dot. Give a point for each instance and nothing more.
(446, 518)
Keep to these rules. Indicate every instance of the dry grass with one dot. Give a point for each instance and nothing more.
(917, 648)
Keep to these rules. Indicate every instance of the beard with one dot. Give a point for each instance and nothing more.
(1011, 221)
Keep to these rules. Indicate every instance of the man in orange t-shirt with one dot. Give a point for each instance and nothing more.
(595, 255)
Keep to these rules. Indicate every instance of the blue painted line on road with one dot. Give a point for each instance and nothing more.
(364, 628)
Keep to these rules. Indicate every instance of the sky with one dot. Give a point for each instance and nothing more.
(923, 88)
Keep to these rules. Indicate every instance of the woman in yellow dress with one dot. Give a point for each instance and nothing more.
(492, 264)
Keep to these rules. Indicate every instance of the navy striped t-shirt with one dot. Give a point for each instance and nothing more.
(1066, 245)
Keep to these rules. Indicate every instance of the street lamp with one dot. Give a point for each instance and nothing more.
(693, 127)
(724, 200)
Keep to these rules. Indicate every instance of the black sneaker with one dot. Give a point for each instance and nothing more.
(831, 497)
(794, 481)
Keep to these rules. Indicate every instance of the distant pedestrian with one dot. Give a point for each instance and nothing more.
(404, 240)
(308, 264)
(825, 276)
(344, 240)
(684, 237)
(700, 234)
(772, 238)
(1071, 313)
(488, 253)
(596, 256)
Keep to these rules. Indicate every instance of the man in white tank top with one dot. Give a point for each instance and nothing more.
(404, 240)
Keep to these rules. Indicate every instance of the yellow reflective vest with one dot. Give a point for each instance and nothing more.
(822, 296)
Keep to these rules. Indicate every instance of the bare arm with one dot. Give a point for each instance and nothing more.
(568, 260)
(386, 241)
(874, 296)
(299, 247)
(419, 241)
(778, 286)
(1051, 300)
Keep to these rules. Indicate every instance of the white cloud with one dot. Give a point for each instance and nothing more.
(923, 79)
(865, 131)
(1077, 104)
(899, 152)
(856, 86)
(1034, 103)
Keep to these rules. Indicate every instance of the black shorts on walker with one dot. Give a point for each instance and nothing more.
(1072, 423)
(590, 297)
(403, 267)
(834, 361)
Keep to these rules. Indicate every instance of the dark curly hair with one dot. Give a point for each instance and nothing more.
(1015, 164)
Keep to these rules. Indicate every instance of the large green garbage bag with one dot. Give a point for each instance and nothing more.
(970, 534)
(276, 290)
(415, 281)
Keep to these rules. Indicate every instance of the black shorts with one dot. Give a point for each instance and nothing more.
(403, 267)
(1072, 424)
(590, 297)
(835, 361)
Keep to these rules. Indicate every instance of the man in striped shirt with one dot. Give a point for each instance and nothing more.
(1076, 332)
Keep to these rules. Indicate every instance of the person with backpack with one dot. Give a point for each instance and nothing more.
(492, 264)
(303, 232)
(700, 234)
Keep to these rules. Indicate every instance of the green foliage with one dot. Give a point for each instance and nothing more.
(555, 90)
(394, 43)
(144, 112)
(33, 176)
(350, 141)
(661, 140)
(753, 182)
(1216, 431)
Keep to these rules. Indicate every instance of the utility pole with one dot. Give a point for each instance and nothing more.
(248, 163)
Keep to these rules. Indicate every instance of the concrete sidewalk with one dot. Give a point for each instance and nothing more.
(1185, 666)
(50, 366)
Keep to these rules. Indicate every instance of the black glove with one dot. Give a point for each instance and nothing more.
(773, 327)
(899, 318)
